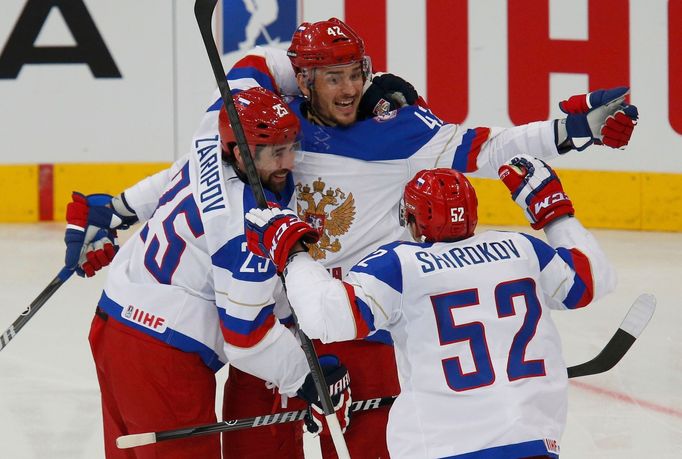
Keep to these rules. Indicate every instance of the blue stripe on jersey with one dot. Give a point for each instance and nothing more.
(170, 336)
(217, 105)
(144, 232)
(287, 321)
(381, 336)
(242, 264)
(518, 450)
(461, 158)
(578, 289)
(368, 140)
(366, 313)
(179, 186)
(243, 326)
(262, 78)
(544, 251)
(384, 265)
(234, 74)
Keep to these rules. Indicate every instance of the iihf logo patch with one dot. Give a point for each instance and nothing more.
(144, 318)
(552, 445)
(258, 22)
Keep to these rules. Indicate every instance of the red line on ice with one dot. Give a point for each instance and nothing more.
(625, 398)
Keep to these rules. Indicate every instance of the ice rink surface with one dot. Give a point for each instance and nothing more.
(49, 398)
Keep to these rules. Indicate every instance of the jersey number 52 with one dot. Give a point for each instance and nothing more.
(474, 332)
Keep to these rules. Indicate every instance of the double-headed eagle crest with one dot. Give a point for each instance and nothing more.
(330, 224)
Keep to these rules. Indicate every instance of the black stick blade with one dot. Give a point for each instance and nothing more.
(633, 325)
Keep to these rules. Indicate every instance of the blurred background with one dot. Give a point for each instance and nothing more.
(95, 95)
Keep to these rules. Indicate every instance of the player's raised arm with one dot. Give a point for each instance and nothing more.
(574, 269)
(93, 220)
(327, 309)
(601, 118)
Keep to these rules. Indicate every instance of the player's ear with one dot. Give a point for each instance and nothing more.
(414, 230)
(238, 157)
(302, 82)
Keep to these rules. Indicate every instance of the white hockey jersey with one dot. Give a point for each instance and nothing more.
(479, 358)
(186, 275)
(348, 181)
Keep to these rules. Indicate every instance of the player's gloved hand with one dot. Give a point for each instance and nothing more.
(601, 117)
(89, 224)
(99, 252)
(385, 92)
(536, 188)
(271, 233)
(338, 380)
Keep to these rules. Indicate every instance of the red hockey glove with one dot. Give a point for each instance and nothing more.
(384, 93)
(338, 380)
(90, 237)
(99, 253)
(600, 117)
(536, 189)
(271, 233)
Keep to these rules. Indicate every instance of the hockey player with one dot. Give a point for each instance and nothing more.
(349, 181)
(481, 369)
(184, 277)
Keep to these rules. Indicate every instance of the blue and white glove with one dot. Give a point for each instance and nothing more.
(91, 224)
(338, 380)
(601, 117)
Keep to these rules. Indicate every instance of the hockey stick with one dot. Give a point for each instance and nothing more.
(631, 327)
(203, 11)
(40, 300)
(133, 440)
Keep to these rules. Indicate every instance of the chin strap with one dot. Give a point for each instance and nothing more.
(313, 117)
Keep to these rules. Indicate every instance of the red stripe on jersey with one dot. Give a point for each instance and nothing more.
(583, 270)
(361, 328)
(254, 337)
(482, 134)
(259, 63)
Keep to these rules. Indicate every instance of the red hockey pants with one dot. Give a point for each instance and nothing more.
(373, 374)
(149, 386)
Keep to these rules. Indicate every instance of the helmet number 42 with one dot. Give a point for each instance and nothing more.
(335, 31)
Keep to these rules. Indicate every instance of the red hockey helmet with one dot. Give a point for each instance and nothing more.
(265, 118)
(326, 43)
(443, 204)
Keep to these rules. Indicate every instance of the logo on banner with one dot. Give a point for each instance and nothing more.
(247, 23)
